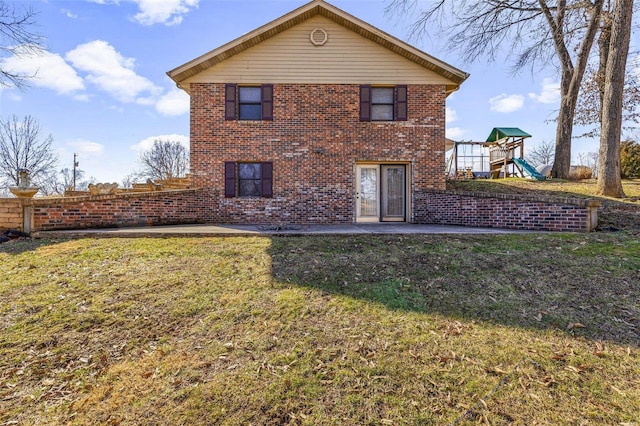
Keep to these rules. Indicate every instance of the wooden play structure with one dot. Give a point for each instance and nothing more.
(501, 155)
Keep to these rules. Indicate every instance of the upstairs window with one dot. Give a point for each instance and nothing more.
(248, 179)
(383, 103)
(248, 102)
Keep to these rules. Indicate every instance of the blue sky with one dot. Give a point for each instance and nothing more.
(102, 92)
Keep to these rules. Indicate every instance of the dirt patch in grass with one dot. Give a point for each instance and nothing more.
(380, 330)
(613, 213)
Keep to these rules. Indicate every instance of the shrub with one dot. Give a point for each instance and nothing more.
(629, 159)
(580, 173)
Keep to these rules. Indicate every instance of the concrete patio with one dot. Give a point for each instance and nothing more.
(269, 230)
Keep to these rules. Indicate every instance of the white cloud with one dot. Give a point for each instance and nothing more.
(451, 115)
(102, 66)
(175, 102)
(85, 148)
(49, 70)
(455, 133)
(110, 71)
(550, 93)
(68, 13)
(168, 12)
(506, 103)
(147, 143)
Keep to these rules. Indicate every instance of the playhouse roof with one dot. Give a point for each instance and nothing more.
(506, 132)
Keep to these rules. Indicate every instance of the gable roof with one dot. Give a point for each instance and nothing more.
(506, 132)
(297, 16)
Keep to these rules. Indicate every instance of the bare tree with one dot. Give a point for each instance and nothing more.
(542, 154)
(617, 50)
(128, 180)
(590, 160)
(66, 180)
(589, 107)
(23, 146)
(536, 31)
(165, 159)
(17, 39)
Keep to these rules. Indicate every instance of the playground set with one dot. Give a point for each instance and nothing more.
(501, 155)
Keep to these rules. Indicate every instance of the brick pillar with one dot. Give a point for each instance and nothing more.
(592, 214)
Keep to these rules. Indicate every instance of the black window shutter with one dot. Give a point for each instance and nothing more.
(365, 102)
(267, 179)
(400, 100)
(229, 179)
(267, 101)
(230, 101)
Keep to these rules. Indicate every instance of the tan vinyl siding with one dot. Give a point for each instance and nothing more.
(346, 58)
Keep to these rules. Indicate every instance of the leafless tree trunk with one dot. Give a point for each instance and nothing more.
(609, 180)
(22, 145)
(571, 77)
(604, 42)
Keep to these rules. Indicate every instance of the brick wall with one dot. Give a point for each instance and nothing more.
(199, 206)
(506, 211)
(314, 142)
(136, 209)
(10, 214)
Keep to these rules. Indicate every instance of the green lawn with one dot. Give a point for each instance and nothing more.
(368, 330)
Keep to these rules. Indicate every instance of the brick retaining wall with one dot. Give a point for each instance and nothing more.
(10, 213)
(101, 211)
(204, 206)
(508, 211)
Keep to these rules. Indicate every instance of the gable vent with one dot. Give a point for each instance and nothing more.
(318, 37)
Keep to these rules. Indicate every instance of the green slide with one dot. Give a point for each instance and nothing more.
(529, 169)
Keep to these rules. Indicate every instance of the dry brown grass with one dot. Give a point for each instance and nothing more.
(380, 330)
(580, 173)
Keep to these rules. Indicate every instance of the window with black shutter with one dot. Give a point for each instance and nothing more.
(383, 103)
(248, 179)
(248, 102)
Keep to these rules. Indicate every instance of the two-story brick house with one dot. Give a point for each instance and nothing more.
(317, 117)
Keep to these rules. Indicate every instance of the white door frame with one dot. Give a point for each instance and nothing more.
(368, 193)
(373, 211)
